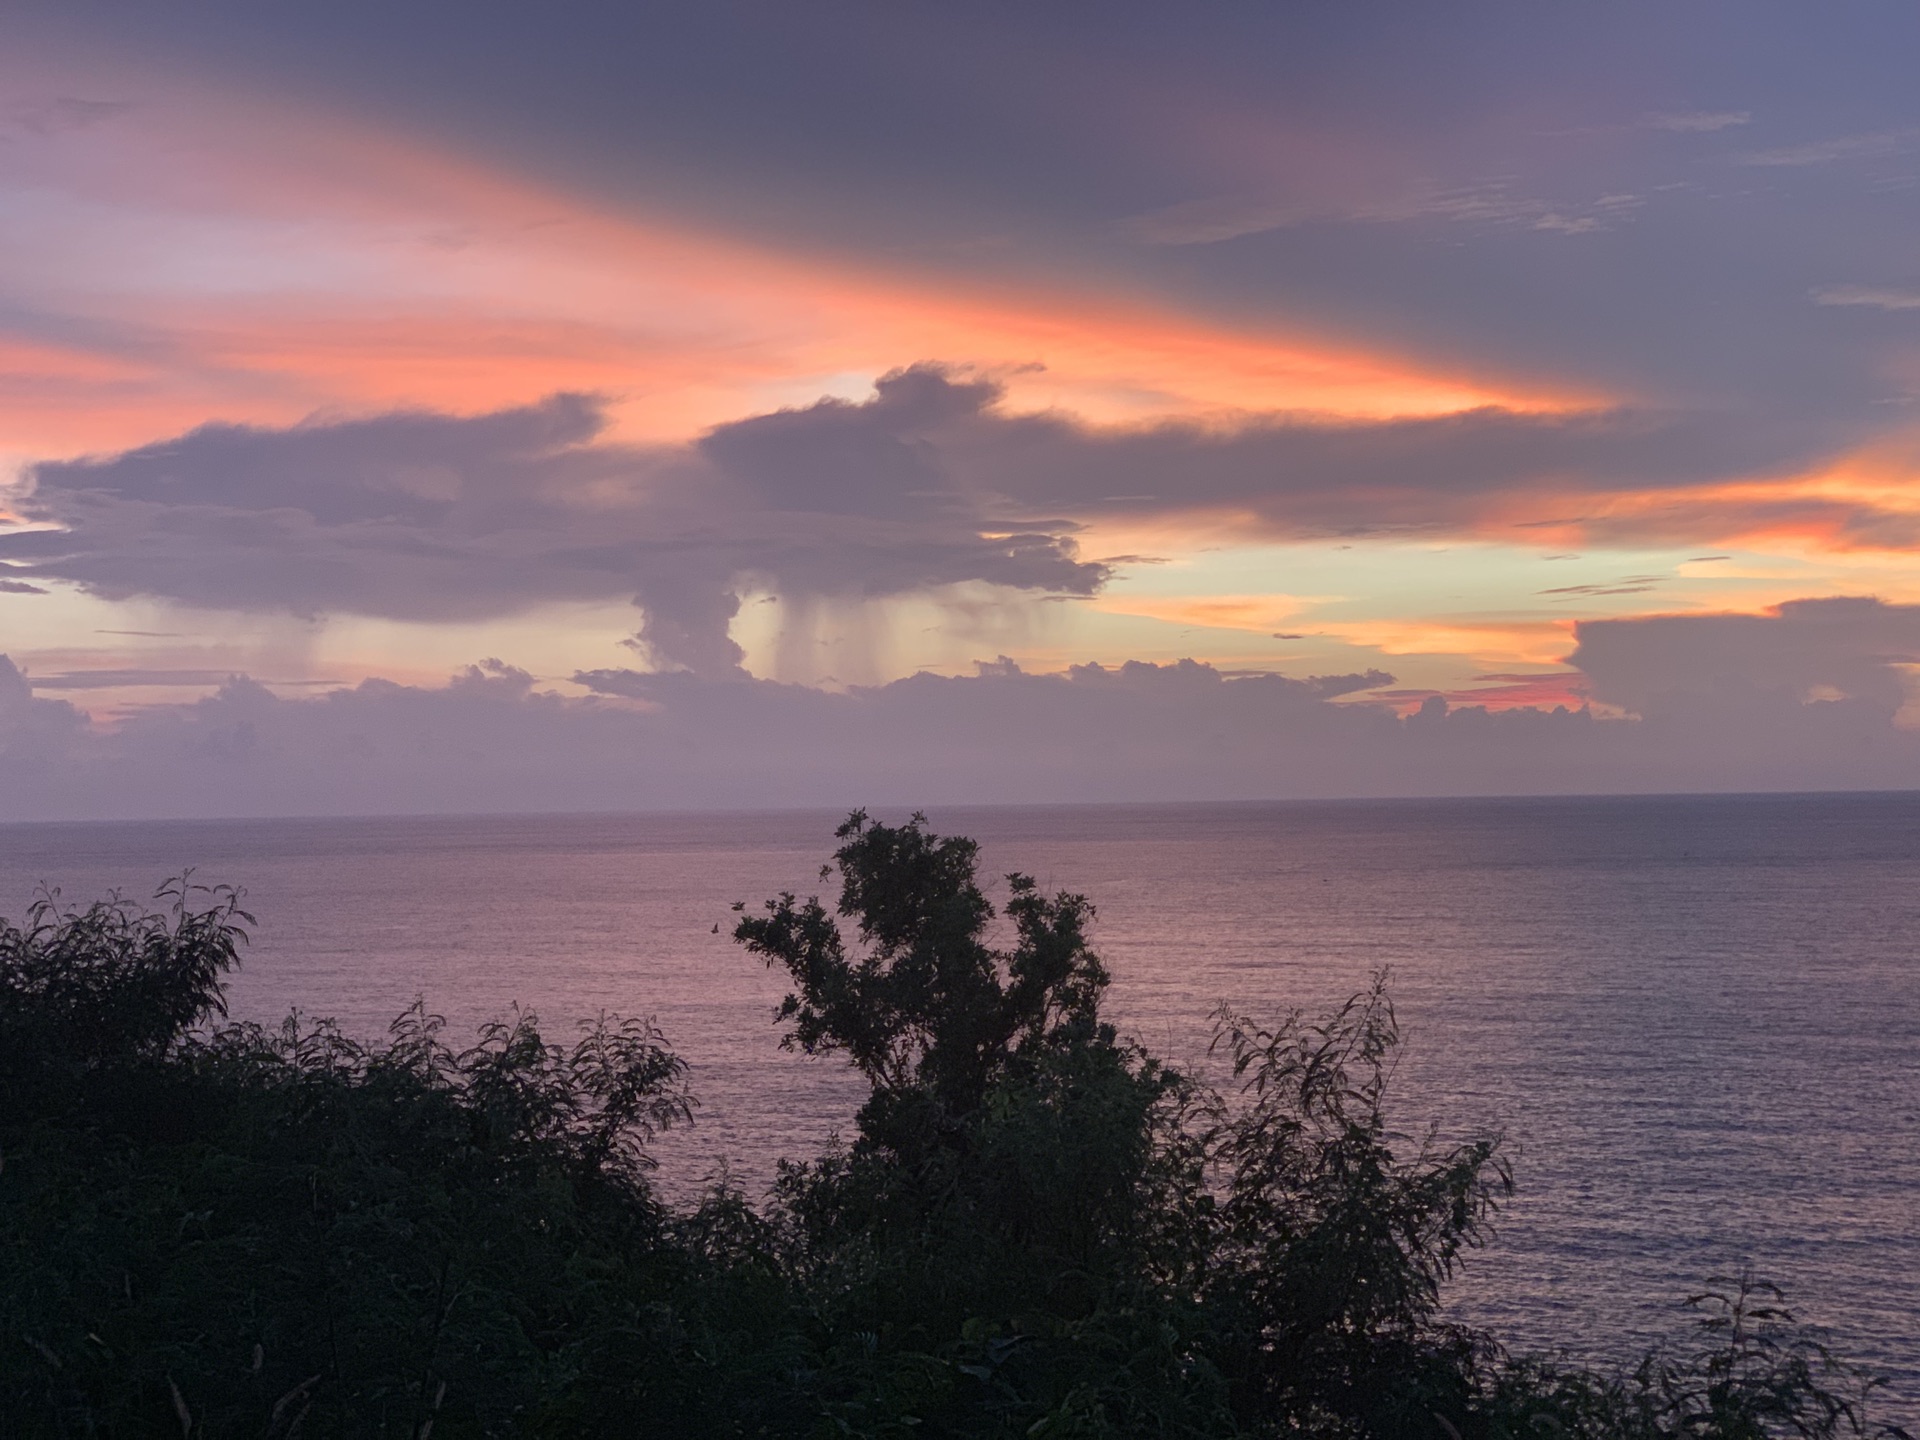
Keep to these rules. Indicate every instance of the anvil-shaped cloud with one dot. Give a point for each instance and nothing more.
(434, 517)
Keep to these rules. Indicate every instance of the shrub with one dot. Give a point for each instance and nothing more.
(242, 1232)
(1329, 1248)
(109, 987)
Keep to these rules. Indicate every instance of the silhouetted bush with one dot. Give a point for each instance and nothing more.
(108, 989)
(1037, 1229)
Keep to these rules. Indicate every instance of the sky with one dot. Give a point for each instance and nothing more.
(499, 406)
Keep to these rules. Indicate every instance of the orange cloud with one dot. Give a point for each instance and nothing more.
(1500, 692)
(1864, 502)
(1487, 642)
(1220, 612)
(267, 263)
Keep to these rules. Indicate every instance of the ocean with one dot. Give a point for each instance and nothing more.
(1695, 1019)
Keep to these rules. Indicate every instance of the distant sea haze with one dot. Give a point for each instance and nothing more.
(1697, 1020)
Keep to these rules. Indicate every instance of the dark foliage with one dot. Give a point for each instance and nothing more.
(110, 988)
(930, 1014)
(1330, 1248)
(1037, 1229)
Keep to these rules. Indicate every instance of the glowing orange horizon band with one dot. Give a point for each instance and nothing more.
(684, 329)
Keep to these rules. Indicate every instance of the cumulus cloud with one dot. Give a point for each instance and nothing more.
(1802, 697)
(1834, 650)
(37, 739)
(437, 517)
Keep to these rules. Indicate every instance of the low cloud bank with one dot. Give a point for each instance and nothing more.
(1805, 697)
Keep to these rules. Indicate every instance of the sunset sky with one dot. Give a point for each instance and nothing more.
(832, 343)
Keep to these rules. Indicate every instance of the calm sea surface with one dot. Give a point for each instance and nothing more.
(1696, 1020)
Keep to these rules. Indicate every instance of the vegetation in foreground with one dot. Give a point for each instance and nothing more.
(1038, 1230)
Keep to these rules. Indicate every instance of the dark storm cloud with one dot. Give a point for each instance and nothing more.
(1712, 713)
(435, 518)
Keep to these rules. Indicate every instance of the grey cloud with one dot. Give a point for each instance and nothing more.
(1296, 477)
(930, 483)
(20, 587)
(1804, 697)
(1698, 121)
(1490, 204)
(38, 739)
(434, 517)
(932, 443)
(1877, 145)
(490, 740)
(1328, 687)
(689, 606)
(1875, 297)
(1567, 224)
(417, 517)
(1842, 648)
(128, 679)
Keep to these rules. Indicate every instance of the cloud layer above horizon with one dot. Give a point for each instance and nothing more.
(932, 482)
(730, 343)
(1804, 698)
